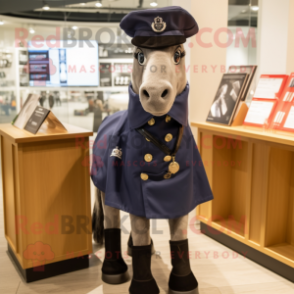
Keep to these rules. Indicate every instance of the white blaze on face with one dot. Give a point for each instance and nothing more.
(158, 76)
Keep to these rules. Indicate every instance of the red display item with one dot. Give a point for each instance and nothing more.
(284, 113)
(268, 94)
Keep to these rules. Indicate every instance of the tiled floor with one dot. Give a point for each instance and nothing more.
(217, 268)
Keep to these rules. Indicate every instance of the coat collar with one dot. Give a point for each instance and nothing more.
(138, 116)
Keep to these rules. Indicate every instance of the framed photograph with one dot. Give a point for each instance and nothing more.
(250, 70)
(227, 98)
(37, 118)
(27, 110)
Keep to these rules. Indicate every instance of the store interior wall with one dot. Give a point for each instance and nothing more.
(207, 64)
(273, 52)
(244, 54)
(290, 49)
(273, 22)
(55, 29)
(186, 4)
(204, 66)
(48, 28)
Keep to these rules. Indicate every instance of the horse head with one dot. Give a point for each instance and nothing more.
(158, 77)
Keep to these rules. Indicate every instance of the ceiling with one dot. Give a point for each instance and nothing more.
(239, 14)
(27, 5)
(74, 10)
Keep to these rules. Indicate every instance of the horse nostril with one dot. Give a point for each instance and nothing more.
(164, 93)
(146, 93)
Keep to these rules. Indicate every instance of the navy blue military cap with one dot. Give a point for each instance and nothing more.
(161, 27)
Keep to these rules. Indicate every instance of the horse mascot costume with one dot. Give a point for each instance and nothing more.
(145, 159)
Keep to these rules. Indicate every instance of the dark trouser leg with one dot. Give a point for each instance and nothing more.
(143, 281)
(114, 269)
(182, 279)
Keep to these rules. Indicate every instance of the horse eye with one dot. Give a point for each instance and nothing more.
(141, 58)
(177, 57)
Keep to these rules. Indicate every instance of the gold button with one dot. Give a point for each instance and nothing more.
(167, 158)
(144, 177)
(167, 176)
(168, 137)
(147, 140)
(151, 122)
(167, 118)
(148, 157)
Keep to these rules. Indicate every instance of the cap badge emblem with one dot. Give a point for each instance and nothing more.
(116, 152)
(158, 25)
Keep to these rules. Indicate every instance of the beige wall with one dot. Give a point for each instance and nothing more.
(186, 4)
(275, 47)
(273, 23)
(290, 51)
(211, 14)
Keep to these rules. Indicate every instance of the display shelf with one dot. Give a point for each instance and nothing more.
(8, 89)
(225, 161)
(205, 209)
(17, 136)
(231, 227)
(279, 236)
(116, 60)
(18, 89)
(251, 173)
(229, 183)
(283, 250)
(249, 132)
(113, 89)
(42, 196)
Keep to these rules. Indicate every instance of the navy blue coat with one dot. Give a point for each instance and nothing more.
(118, 162)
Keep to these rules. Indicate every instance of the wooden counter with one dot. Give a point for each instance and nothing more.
(251, 172)
(46, 191)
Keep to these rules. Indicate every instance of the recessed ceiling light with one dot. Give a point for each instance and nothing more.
(74, 27)
(32, 31)
(153, 4)
(98, 4)
(254, 8)
(1, 22)
(46, 7)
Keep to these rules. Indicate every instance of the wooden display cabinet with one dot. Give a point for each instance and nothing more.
(251, 173)
(46, 192)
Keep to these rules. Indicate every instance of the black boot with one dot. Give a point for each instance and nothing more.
(114, 269)
(181, 279)
(143, 281)
(130, 246)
